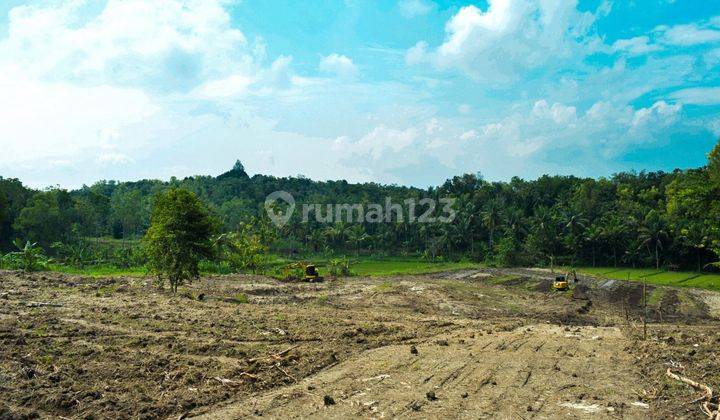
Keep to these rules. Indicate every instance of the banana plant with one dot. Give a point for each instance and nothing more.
(74, 254)
(29, 257)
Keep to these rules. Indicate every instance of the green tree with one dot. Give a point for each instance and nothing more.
(653, 233)
(593, 236)
(180, 235)
(714, 164)
(48, 217)
(127, 211)
(492, 217)
(13, 198)
(613, 232)
(356, 235)
(574, 225)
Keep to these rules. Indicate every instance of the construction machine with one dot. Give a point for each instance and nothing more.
(562, 283)
(309, 271)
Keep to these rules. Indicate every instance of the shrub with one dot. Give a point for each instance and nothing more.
(29, 257)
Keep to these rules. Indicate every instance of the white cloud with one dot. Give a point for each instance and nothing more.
(635, 46)
(604, 130)
(715, 126)
(433, 126)
(379, 141)
(687, 35)
(234, 85)
(102, 88)
(48, 120)
(338, 65)
(559, 113)
(469, 135)
(114, 158)
(698, 96)
(166, 45)
(660, 114)
(664, 37)
(412, 8)
(509, 38)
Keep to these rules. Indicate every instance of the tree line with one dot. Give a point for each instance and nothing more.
(649, 219)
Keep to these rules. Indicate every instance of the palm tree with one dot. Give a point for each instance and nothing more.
(613, 231)
(574, 225)
(515, 223)
(335, 234)
(593, 235)
(698, 238)
(652, 234)
(492, 217)
(356, 235)
(545, 232)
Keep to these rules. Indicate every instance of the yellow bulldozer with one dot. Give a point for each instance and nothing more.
(309, 272)
(562, 283)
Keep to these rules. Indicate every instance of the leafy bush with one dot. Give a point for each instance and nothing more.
(339, 267)
(76, 254)
(247, 249)
(29, 257)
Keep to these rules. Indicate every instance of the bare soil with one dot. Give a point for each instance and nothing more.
(492, 343)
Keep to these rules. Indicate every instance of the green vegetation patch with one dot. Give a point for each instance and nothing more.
(657, 277)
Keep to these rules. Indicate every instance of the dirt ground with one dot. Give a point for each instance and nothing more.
(491, 343)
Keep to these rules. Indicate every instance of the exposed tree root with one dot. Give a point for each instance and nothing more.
(709, 405)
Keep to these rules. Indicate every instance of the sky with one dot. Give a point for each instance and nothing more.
(406, 92)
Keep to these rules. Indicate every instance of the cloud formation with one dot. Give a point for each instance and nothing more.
(132, 89)
(338, 65)
(509, 38)
(412, 8)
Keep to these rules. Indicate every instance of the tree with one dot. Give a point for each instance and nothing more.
(714, 164)
(127, 211)
(593, 236)
(613, 232)
(696, 237)
(47, 218)
(492, 217)
(179, 236)
(247, 248)
(356, 235)
(13, 197)
(653, 233)
(574, 226)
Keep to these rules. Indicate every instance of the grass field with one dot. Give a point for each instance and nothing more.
(660, 277)
(390, 266)
(396, 266)
(100, 271)
(363, 266)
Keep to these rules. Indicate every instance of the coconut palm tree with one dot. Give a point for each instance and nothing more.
(652, 234)
(574, 225)
(613, 231)
(492, 217)
(593, 236)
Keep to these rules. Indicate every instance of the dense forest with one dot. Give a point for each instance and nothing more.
(656, 219)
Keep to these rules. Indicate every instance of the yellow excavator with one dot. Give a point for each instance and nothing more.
(309, 271)
(562, 283)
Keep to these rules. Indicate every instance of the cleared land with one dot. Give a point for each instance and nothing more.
(489, 343)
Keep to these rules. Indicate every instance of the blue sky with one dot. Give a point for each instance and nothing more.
(409, 91)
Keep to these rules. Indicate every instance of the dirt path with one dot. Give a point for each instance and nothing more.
(533, 371)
